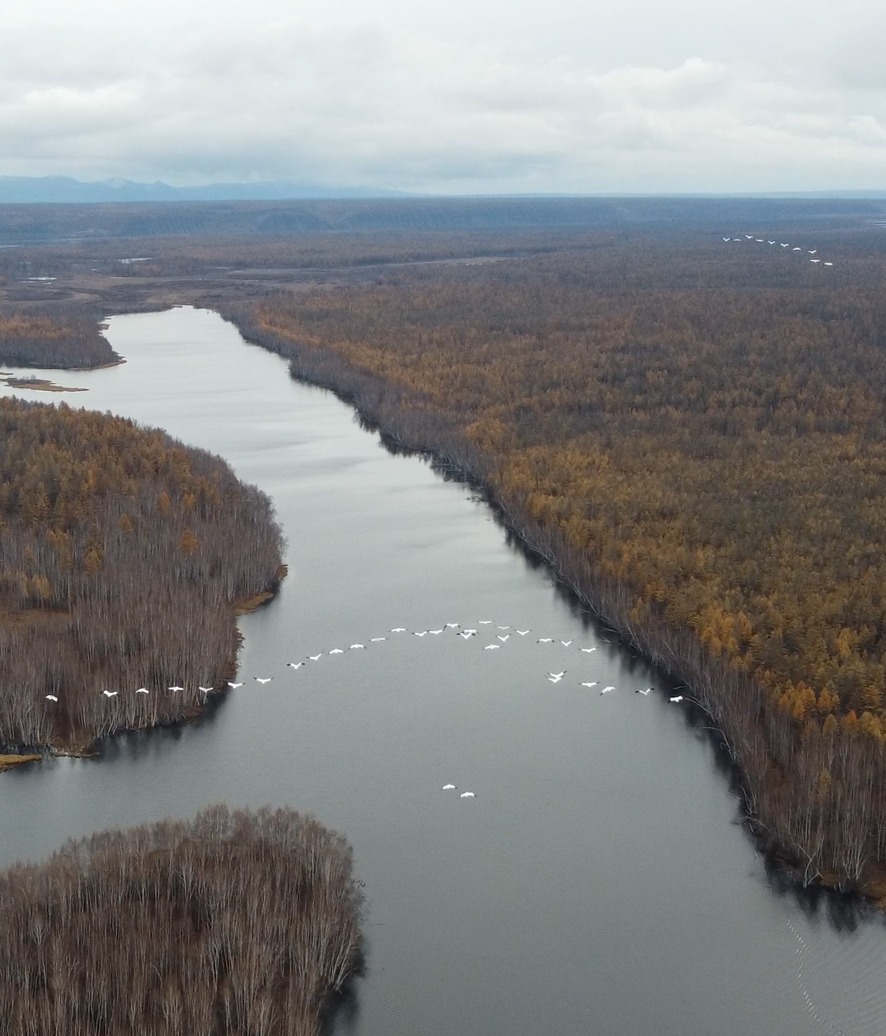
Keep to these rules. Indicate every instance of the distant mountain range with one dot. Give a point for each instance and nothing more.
(42, 189)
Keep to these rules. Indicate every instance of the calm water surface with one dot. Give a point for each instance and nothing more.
(598, 884)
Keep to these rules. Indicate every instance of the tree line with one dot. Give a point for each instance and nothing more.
(243, 922)
(695, 437)
(59, 336)
(125, 555)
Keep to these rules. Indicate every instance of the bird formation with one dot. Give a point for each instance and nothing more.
(811, 252)
(503, 635)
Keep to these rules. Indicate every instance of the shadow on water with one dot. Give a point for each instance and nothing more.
(342, 1013)
(137, 744)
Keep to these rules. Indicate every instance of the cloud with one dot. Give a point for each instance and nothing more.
(394, 106)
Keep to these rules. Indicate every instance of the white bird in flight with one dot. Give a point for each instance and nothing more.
(545, 640)
(315, 658)
(142, 690)
(448, 787)
(492, 647)
(467, 795)
(503, 637)
(523, 633)
(676, 698)
(377, 640)
(336, 651)
(258, 679)
(587, 651)
(592, 683)
(292, 665)
(356, 647)
(606, 690)
(110, 694)
(565, 643)
(206, 690)
(644, 690)
(51, 697)
(556, 677)
(234, 685)
(398, 629)
(175, 688)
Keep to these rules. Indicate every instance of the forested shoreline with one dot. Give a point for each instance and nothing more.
(701, 463)
(125, 556)
(58, 337)
(233, 922)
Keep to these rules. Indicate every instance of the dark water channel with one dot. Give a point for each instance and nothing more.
(598, 883)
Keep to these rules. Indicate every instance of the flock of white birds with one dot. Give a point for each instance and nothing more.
(812, 253)
(496, 635)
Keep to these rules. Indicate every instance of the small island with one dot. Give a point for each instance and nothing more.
(126, 558)
(233, 922)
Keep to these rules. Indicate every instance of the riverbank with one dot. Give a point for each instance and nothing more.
(8, 761)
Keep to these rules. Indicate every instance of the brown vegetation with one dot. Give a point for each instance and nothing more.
(236, 922)
(64, 336)
(124, 557)
(696, 440)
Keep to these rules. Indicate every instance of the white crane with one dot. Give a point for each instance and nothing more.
(258, 679)
(587, 651)
(175, 688)
(523, 633)
(556, 677)
(589, 683)
(234, 685)
(292, 665)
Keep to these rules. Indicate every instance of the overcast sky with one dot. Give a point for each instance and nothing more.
(455, 96)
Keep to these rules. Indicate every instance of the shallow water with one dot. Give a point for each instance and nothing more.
(598, 883)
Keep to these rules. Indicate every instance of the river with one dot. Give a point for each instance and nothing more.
(598, 883)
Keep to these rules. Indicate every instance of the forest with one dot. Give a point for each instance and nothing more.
(240, 922)
(124, 558)
(61, 336)
(694, 435)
